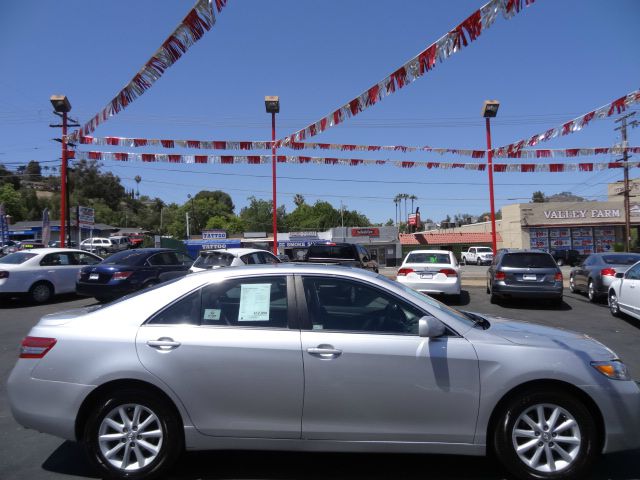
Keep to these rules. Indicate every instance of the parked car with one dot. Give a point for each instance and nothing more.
(8, 247)
(595, 275)
(56, 244)
(30, 244)
(431, 271)
(347, 254)
(226, 359)
(566, 257)
(41, 273)
(624, 293)
(477, 255)
(121, 242)
(136, 240)
(130, 270)
(524, 274)
(99, 245)
(231, 257)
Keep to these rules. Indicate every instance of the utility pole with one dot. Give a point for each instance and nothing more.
(625, 159)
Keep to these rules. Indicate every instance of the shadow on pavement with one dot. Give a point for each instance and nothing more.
(24, 302)
(69, 459)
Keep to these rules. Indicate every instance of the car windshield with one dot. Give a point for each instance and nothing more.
(628, 259)
(17, 258)
(470, 320)
(428, 258)
(213, 259)
(528, 260)
(484, 250)
(126, 257)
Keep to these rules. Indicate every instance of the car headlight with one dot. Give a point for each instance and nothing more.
(614, 369)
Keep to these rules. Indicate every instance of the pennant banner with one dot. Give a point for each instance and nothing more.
(198, 21)
(251, 145)
(452, 42)
(616, 107)
(353, 162)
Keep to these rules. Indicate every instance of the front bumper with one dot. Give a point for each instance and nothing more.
(620, 408)
(43, 405)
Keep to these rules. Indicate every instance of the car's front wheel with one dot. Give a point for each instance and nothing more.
(572, 284)
(591, 292)
(132, 434)
(614, 308)
(546, 434)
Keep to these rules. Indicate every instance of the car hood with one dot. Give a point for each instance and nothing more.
(535, 335)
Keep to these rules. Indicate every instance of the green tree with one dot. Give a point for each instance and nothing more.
(257, 216)
(13, 204)
(33, 171)
(538, 197)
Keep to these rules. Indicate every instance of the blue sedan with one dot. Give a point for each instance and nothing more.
(131, 270)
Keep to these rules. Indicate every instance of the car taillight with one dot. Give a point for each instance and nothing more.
(404, 271)
(4, 274)
(609, 272)
(36, 347)
(558, 277)
(500, 276)
(449, 272)
(121, 275)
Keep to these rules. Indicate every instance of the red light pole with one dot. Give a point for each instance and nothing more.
(62, 107)
(273, 106)
(489, 110)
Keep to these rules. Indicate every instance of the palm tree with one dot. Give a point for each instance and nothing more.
(298, 200)
(138, 179)
(412, 198)
(397, 199)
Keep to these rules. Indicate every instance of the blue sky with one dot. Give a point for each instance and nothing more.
(548, 64)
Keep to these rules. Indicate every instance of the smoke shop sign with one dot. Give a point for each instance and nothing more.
(577, 214)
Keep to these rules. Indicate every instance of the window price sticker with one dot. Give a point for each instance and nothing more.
(254, 302)
(211, 314)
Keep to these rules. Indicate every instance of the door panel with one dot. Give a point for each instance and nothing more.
(391, 388)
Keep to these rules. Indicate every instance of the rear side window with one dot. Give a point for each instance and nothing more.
(214, 259)
(528, 260)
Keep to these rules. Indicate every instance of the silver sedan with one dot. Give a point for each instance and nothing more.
(312, 357)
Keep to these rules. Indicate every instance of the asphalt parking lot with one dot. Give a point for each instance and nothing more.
(26, 454)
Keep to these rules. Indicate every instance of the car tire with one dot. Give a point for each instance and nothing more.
(614, 308)
(41, 292)
(493, 298)
(134, 411)
(572, 284)
(564, 439)
(478, 262)
(591, 292)
(102, 299)
(560, 262)
(464, 260)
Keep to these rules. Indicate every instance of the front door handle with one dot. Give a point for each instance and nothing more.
(326, 352)
(163, 344)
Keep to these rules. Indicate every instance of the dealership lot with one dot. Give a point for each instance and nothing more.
(28, 454)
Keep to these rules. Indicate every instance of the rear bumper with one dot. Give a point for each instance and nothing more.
(451, 286)
(45, 406)
(527, 291)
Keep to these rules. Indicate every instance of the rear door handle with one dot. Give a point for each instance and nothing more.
(324, 351)
(163, 343)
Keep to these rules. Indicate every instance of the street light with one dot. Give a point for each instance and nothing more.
(490, 110)
(272, 104)
(62, 106)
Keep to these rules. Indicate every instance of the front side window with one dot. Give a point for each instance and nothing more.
(251, 258)
(346, 305)
(246, 302)
(56, 259)
(633, 273)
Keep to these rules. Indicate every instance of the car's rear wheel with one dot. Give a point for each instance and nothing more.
(132, 434)
(41, 292)
(546, 434)
(572, 284)
(591, 292)
(614, 308)
(464, 260)
(478, 262)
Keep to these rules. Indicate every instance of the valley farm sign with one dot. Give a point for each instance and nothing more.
(577, 214)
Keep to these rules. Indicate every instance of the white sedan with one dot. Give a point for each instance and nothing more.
(624, 293)
(431, 271)
(41, 273)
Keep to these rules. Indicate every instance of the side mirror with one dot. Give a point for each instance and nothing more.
(365, 259)
(619, 274)
(430, 327)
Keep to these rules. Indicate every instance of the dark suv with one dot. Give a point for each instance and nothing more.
(566, 257)
(524, 274)
(347, 254)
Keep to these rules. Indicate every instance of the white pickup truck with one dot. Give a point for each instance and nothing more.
(477, 255)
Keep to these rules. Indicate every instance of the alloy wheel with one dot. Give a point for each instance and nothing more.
(130, 437)
(546, 438)
(614, 308)
(591, 291)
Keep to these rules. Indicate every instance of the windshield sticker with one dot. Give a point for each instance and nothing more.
(254, 302)
(211, 314)
(318, 327)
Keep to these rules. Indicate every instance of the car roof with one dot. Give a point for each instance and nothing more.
(52, 250)
(430, 251)
(233, 251)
